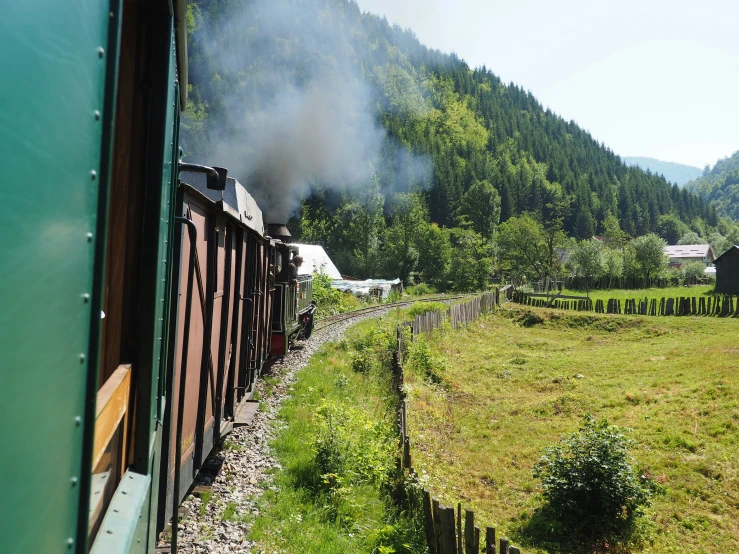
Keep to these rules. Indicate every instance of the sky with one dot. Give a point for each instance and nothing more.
(656, 78)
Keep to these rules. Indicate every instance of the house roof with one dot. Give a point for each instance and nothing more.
(316, 260)
(732, 249)
(688, 250)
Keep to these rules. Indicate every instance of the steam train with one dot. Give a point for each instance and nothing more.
(141, 296)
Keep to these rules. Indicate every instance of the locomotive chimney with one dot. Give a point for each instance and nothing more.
(279, 231)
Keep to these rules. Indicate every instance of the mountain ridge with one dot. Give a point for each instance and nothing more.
(673, 172)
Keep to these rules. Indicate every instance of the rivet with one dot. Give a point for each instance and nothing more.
(101, 52)
(77, 421)
(111, 15)
(123, 492)
(97, 115)
(85, 298)
(93, 174)
(89, 237)
(74, 481)
(82, 358)
(115, 510)
(110, 532)
(70, 542)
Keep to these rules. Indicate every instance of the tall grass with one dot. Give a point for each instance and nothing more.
(337, 448)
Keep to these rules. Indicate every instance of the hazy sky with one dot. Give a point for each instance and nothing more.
(656, 78)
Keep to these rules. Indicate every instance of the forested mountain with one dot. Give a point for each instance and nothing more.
(280, 91)
(671, 171)
(720, 186)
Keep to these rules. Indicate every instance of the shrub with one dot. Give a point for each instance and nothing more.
(329, 300)
(693, 271)
(420, 289)
(394, 296)
(362, 361)
(592, 490)
(422, 359)
(419, 308)
(351, 449)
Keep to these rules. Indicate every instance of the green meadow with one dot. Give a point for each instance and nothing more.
(516, 381)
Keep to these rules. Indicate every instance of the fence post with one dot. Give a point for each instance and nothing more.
(428, 521)
(504, 545)
(459, 528)
(490, 540)
(446, 526)
(470, 545)
(437, 524)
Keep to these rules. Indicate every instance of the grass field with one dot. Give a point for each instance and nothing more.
(669, 292)
(513, 384)
(336, 445)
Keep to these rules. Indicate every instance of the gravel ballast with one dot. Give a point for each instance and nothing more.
(222, 525)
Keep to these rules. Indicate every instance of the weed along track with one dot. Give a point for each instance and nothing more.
(218, 514)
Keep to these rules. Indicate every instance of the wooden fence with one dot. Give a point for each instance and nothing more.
(722, 306)
(445, 533)
(625, 283)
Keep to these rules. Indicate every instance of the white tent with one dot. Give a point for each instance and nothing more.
(710, 271)
(380, 288)
(316, 260)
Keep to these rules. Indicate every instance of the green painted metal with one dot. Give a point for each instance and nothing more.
(54, 136)
(121, 531)
(156, 271)
(136, 533)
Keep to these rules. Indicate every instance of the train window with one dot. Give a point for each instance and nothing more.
(109, 456)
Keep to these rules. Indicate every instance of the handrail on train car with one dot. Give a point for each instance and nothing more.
(193, 232)
(215, 176)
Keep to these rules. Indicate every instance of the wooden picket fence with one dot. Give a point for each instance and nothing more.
(722, 306)
(445, 533)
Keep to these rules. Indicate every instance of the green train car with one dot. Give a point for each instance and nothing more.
(89, 115)
(125, 291)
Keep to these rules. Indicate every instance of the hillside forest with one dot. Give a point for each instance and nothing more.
(405, 162)
(720, 186)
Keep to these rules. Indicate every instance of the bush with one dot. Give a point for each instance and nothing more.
(352, 448)
(362, 361)
(419, 308)
(422, 359)
(420, 289)
(330, 301)
(593, 492)
(693, 272)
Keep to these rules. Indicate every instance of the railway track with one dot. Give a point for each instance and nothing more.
(337, 318)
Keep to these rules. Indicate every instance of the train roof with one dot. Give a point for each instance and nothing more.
(235, 200)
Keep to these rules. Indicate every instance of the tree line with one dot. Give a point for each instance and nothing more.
(495, 158)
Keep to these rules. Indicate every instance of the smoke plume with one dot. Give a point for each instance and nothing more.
(296, 112)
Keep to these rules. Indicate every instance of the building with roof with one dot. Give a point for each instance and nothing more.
(727, 271)
(315, 260)
(681, 254)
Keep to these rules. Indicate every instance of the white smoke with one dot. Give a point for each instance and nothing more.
(296, 112)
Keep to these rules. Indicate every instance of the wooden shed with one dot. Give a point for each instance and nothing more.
(727, 271)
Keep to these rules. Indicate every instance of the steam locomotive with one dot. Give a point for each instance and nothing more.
(141, 296)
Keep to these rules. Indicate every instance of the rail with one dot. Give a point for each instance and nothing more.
(338, 318)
